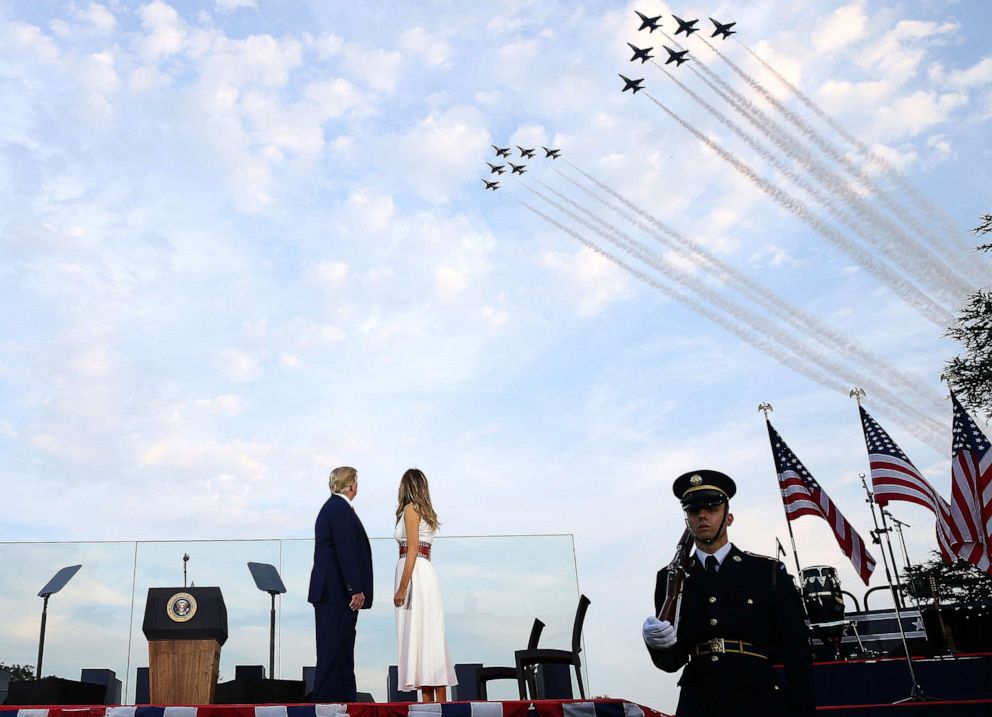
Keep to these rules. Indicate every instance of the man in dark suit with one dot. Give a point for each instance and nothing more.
(340, 586)
(740, 615)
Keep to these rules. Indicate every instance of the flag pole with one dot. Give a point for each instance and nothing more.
(916, 693)
(765, 407)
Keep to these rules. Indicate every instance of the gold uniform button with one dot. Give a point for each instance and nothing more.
(737, 558)
(712, 621)
(712, 599)
(714, 658)
(750, 601)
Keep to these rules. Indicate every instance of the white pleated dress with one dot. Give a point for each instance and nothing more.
(424, 659)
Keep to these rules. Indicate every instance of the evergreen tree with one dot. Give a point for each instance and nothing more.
(970, 373)
(960, 582)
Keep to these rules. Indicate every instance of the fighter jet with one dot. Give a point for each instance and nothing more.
(648, 22)
(632, 85)
(723, 30)
(525, 153)
(518, 168)
(491, 185)
(501, 151)
(677, 57)
(552, 153)
(686, 26)
(640, 54)
(495, 168)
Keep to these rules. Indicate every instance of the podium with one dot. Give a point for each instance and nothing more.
(185, 628)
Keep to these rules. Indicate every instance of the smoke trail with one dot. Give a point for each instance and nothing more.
(778, 305)
(899, 211)
(625, 242)
(749, 337)
(890, 171)
(932, 272)
(910, 293)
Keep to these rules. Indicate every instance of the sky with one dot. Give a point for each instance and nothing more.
(244, 242)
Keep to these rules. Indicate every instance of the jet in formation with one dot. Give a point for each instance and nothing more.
(686, 26)
(723, 29)
(677, 57)
(518, 168)
(495, 168)
(491, 185)
(648, 22)
(501, 151)
(552, 153)
(640, 54)
(632, 85)
(525, 153)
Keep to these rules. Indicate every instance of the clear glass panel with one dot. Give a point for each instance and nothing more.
(493, 589)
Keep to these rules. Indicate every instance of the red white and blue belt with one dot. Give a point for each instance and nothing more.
(423, 550)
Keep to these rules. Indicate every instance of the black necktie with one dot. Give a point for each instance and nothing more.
(711, 566)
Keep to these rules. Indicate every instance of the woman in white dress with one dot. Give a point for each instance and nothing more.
(424, 660)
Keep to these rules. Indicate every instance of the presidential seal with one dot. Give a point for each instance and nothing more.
(181, 607)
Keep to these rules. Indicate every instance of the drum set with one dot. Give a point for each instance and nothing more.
(824, 601)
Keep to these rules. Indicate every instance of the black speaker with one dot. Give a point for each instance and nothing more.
(55, 691)
(107, 678)
(141, 687)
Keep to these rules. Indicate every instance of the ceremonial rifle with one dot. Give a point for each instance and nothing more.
(676, 570)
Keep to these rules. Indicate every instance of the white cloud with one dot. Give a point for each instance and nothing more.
(919, 111)
(32, 38)
(844, 26)
(98, 16)
(494, 316)
(335, 98)
(371, 209)
(381, 69)
(330, 274)
(977, 75)
(148, 77)
(592, 281)
(227, 6)
(239, 366)
(433, 49)
(165, 30)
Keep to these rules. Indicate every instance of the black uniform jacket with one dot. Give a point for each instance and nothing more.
(752, 598)
(342, 556)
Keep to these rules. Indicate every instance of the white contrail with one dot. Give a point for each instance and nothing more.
(914, 257)
(931, 430)
(905, 289)
(900, 211)
(749, 337)
(920, 199)
(787, 312)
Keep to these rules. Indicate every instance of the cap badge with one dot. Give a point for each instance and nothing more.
(696, 480)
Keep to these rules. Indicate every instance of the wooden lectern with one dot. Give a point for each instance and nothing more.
(185, 628)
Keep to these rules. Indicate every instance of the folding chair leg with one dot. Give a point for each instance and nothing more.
(578, 678)
(521, 681)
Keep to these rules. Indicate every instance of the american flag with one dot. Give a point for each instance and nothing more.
(895, 478)
(971, 487)
(802, 495)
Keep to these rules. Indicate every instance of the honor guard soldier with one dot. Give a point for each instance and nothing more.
(739, 615)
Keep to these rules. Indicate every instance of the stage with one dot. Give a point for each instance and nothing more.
(508, 708)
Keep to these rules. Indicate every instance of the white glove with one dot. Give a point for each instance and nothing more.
(658, 634)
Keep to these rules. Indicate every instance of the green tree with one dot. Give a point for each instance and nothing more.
(18, 672)
(970, 373)
(960, 582)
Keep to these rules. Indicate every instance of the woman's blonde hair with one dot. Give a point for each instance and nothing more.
(414, 489)
(341, 478)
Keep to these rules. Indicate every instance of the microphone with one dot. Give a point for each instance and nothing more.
(185, 560)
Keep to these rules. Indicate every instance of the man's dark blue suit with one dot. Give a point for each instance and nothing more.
(342, 567)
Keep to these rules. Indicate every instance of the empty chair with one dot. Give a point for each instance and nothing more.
(486, 674)
(528, 660)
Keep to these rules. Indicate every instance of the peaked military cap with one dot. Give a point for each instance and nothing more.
(703, 489)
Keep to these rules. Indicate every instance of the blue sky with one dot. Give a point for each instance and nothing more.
(244, 242)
